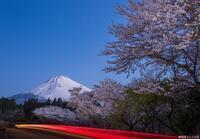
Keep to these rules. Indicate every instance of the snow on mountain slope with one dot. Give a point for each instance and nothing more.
(56, 87)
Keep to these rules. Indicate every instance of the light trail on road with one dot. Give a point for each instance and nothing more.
(94, 133)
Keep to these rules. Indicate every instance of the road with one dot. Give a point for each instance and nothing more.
(90, 133)
(14, 133)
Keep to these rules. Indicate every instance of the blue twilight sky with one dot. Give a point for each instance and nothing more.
(44, 38)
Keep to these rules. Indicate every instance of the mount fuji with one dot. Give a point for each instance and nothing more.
(55, 87)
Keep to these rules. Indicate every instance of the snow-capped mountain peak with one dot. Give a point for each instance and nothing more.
(60, 81)
(56, 87)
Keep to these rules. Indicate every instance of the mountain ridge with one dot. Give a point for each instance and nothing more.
(55, 87)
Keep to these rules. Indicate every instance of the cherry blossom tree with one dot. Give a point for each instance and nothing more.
(99, 101)
(161, 35)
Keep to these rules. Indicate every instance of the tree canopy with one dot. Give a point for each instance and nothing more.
(160, 35)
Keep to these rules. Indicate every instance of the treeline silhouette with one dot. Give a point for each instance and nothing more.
(9, 106)
(33, 103)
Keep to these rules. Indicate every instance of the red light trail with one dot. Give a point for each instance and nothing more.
(95, 133)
